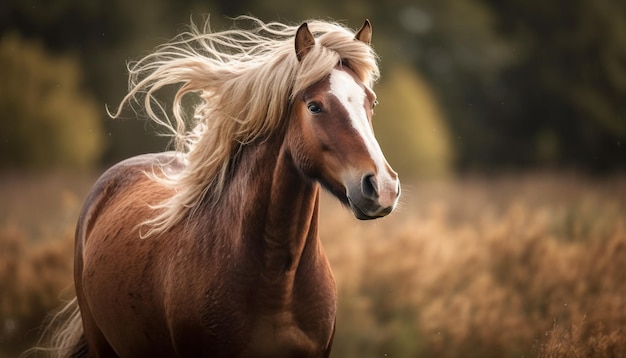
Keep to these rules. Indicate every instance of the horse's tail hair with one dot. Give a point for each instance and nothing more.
(63, 336)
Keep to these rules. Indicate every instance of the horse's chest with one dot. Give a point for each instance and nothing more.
(245, 316)
(227, 332)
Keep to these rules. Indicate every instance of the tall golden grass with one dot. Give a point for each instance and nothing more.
(519, 266)
(37, 217)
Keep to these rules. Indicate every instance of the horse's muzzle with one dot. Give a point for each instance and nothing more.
(373, 197)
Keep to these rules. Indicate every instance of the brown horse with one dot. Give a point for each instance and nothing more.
(213, 250)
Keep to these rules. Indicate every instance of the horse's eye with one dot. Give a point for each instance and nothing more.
(314, 108)
(375, 103)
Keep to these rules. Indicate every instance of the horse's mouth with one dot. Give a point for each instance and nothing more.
(362, 215)
(362, 208)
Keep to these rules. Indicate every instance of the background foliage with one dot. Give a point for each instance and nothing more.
(517, 84)
(48, 120)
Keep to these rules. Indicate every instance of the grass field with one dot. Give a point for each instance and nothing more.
(514, 266)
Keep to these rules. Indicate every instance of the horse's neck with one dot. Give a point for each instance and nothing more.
(292, 217)
(279, 221)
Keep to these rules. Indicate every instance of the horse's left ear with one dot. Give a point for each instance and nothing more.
(365, 33)
(304, 41)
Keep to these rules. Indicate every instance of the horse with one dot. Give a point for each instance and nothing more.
(212, 249)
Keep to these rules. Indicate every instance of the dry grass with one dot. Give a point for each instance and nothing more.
(530, 266)
(37, 216)
(510, 267)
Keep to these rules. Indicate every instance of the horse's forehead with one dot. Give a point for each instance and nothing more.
(345, 86)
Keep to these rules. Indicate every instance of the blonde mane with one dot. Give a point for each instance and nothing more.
(246, 80)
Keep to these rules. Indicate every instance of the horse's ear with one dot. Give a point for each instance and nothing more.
(365, 33)
(304, 41)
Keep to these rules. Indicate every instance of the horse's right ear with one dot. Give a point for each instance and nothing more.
(304, 41)
(365, 33)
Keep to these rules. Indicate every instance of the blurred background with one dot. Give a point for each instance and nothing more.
(502, 117)
(467, 85)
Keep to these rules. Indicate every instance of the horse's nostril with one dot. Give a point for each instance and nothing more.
(369, 186)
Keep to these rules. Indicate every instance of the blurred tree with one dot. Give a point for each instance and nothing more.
(454, 45)
(104, 35)
(569, 87)
(522, 83)
(46, 119)
(410, 127)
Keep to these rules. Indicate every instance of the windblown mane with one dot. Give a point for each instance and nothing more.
(246, 80)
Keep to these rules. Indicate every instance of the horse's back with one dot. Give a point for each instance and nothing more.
(117, 180)
(112, 261)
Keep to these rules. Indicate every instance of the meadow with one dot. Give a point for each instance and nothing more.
(529, 265)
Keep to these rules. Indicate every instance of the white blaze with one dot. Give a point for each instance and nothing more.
(352, 96)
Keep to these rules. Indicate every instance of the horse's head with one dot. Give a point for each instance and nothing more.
(331, 139)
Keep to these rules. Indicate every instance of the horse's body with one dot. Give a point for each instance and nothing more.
(250, 278)
(244, 274)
